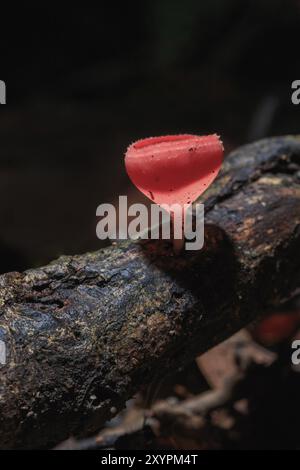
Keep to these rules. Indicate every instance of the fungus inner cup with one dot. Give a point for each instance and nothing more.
(174, 169)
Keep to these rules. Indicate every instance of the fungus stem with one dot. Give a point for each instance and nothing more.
(178, 232)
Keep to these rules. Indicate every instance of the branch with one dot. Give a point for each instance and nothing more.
(84, 333)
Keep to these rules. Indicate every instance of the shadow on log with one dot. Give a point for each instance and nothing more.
(84, 333)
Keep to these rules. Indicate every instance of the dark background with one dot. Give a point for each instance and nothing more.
(84, 82)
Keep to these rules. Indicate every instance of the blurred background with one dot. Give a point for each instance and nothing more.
(84, 82)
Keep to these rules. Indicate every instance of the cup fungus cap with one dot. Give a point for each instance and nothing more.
(174, 169)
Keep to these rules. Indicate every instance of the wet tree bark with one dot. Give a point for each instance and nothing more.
(84, 333)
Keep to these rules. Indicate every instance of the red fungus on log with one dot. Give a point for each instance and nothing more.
(174, 169)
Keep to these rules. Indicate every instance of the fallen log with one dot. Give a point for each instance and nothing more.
(84, 333)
